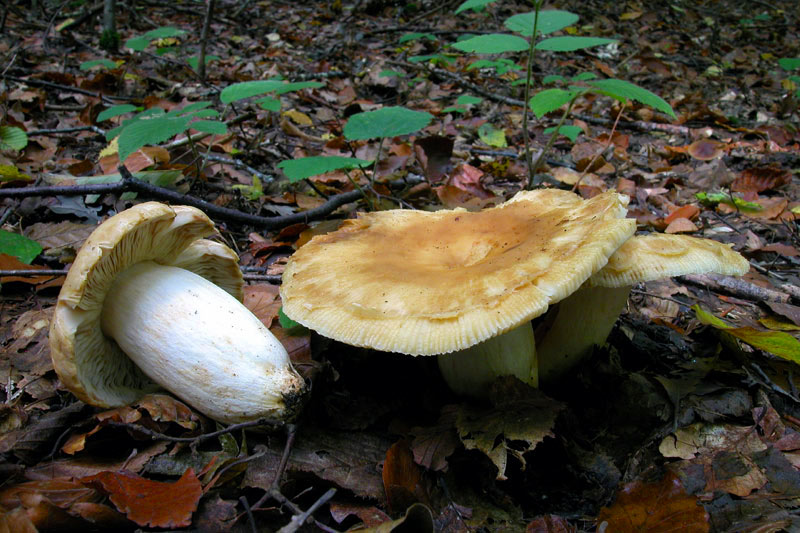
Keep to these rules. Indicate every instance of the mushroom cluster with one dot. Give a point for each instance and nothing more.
(466, 285)
(150, 304)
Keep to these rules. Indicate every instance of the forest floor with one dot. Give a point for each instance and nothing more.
(673, 425)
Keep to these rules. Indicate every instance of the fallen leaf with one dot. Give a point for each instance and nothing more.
(761, 179)
(661, 507)
(681, 225)
(520, 419)
(401, 476)
(150, 503)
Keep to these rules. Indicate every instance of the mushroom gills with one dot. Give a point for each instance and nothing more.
(470, 371)
(200, 343)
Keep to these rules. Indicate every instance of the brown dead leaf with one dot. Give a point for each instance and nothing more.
(761, 179)
(681, 225)
(433, 445)
(9, 262)
(263, 301)
(370, 515)
(520, 419)
(150, 503)
(685, 211)
(550, 524)
(770, 208)
(16, 521)
(29, 352)
(660, 507)
(401, 476)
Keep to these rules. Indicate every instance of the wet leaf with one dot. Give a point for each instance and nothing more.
(661, 507)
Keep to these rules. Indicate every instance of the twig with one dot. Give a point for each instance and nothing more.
(198, 438)
(66, 88)
(129, 183)
(736, 287)
(54, 131)
(201, 60)
(299, 520)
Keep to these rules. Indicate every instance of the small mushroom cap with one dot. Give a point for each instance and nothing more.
(426, 283)
(88, 363)
(656, 256)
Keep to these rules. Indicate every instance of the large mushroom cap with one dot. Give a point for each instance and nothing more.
(90, 364)
(426, 283)
(656, 256)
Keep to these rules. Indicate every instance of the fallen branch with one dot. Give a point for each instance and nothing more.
(736, 287)
(131, 184)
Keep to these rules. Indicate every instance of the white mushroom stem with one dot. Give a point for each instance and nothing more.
(580, 321)
(200, 343)
(471, 371)
(583, 319)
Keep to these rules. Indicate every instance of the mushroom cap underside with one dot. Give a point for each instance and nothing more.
(426, 283)
(656, 256)
(88, 363)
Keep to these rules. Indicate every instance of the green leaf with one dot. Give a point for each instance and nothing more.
(191, 108)
(305, 167)
(468, 99)
(475, 5)
(570, 132)
(433, 58)
(115, 111)
(549, 100)
(19, 246)
(149, 131)
(569, 43)
(390, 74)
(210, 126)
(622, 89)
(584, 76)
(553, 78)
(416, 35)
(12, 173)
(13, 138)
(789, 63)
(385, 122)
(714, 198)
(240, 91)
(494, 43)
(492, 136)
(775, 342)
(143, 41)
(269, 103)
(105, 63)
(246, 89)
(550, 20)
(251, 192)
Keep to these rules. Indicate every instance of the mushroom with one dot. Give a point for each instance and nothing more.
(446, 282)
(148, 303)
(585, 318)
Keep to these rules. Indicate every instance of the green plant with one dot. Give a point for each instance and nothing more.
(527, 29)
(12, 138)
(155, 125)
(792, 63)
(165, 38)
(380, 124)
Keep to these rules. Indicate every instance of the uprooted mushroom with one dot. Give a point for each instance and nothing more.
(465, 286)
(148, 304)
